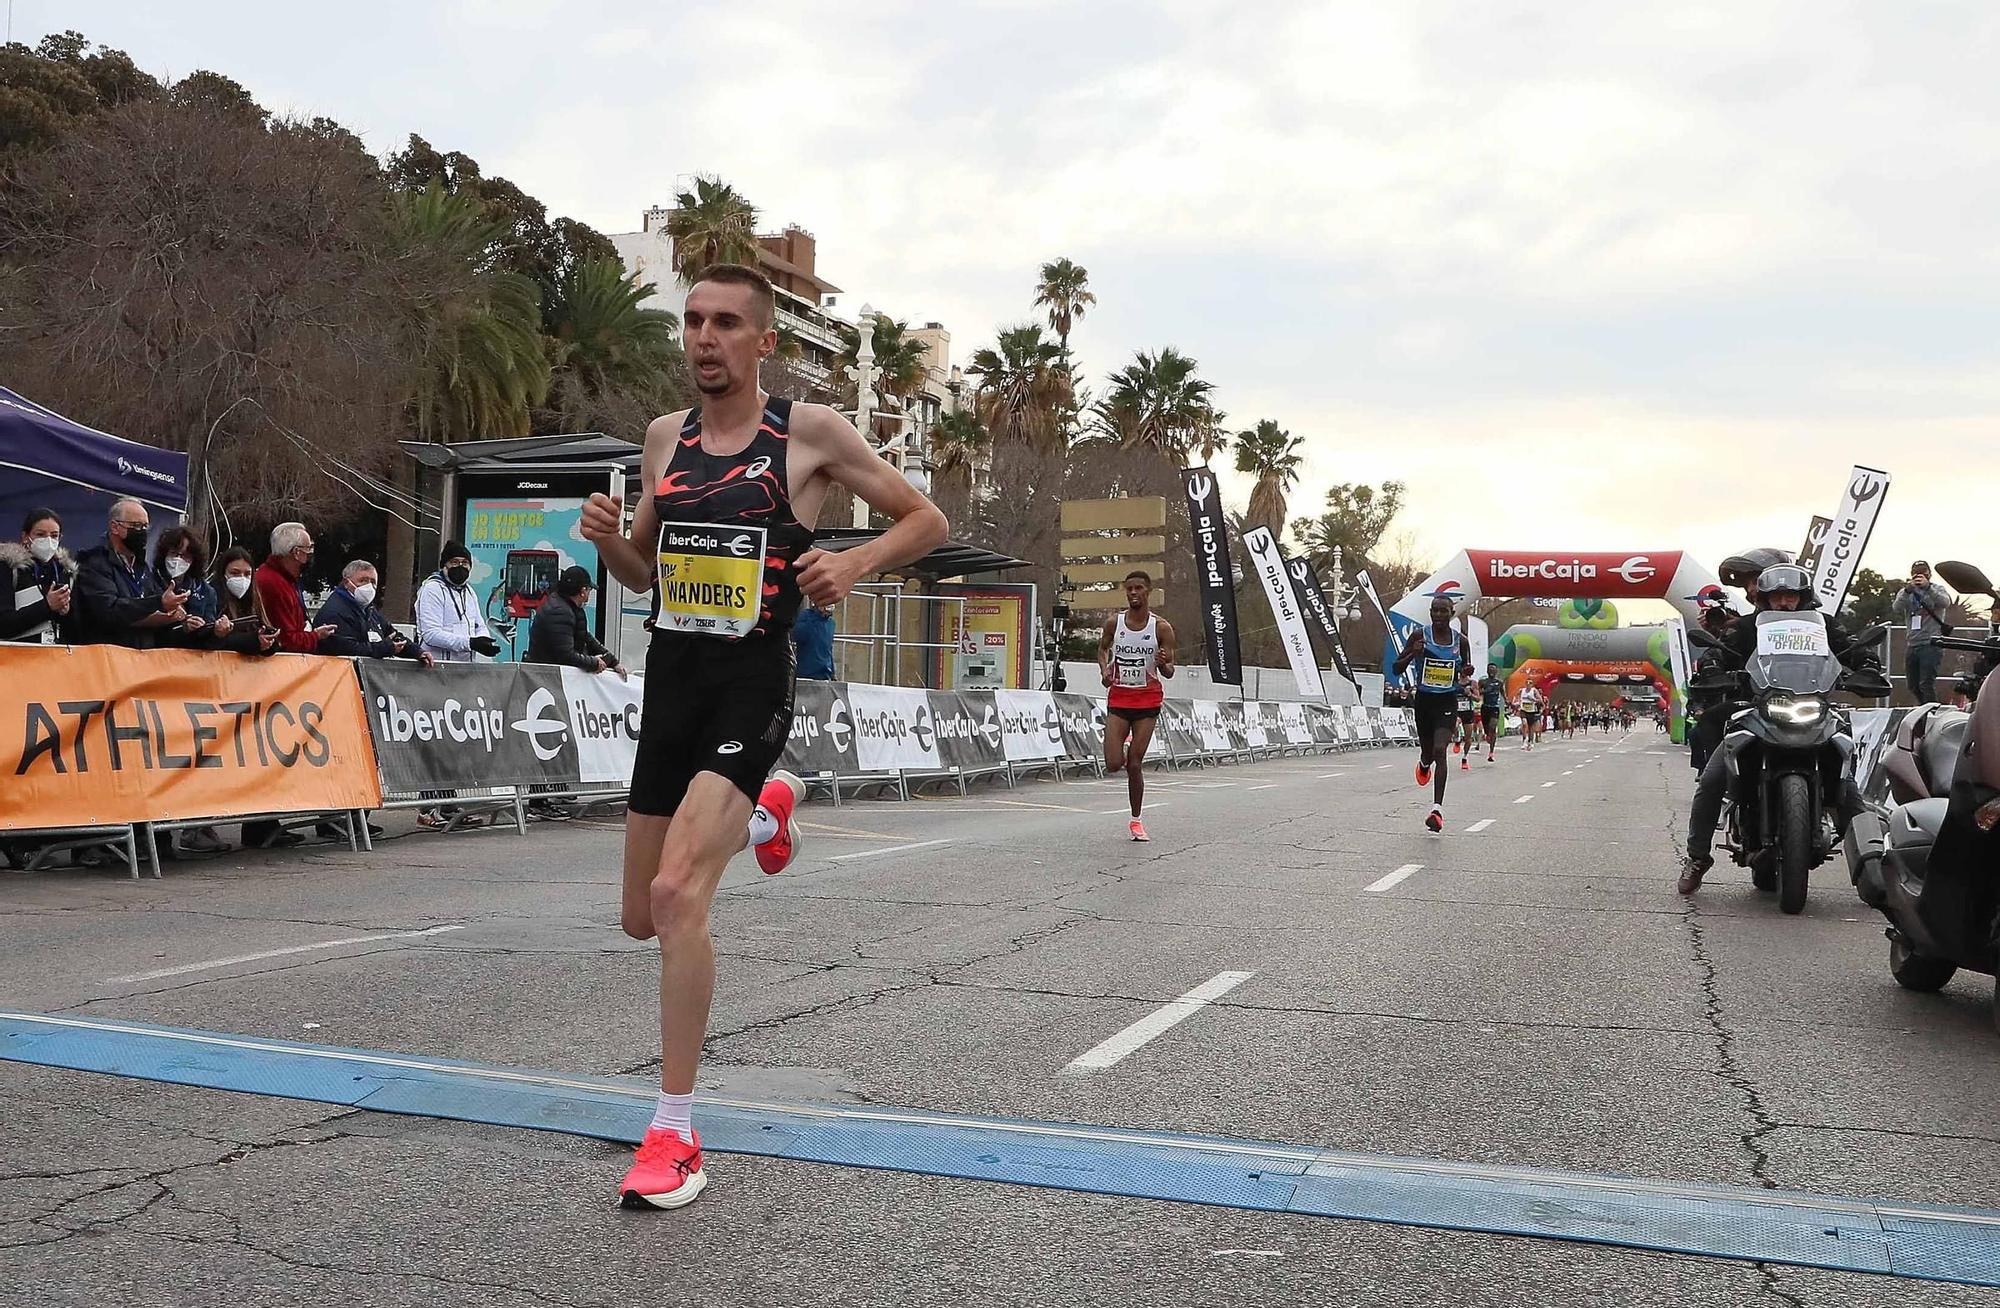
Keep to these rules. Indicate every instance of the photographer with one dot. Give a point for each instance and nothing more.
(355, 627)
(450, 626)
(561, 633)
(35, 581)
(1923, 604)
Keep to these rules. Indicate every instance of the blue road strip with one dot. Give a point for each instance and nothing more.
(1918, 1241)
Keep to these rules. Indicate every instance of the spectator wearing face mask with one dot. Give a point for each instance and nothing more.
(118, 599)
(358, 629)
(237, 602)
(450, 626)
(279, 583)
(35, 578)
(180, 562)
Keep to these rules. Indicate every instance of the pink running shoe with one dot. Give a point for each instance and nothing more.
(780, 799)
(666, 1173)
(1139, 830)
(1423, 774)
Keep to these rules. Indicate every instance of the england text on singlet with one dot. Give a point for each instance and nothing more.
(729, 542)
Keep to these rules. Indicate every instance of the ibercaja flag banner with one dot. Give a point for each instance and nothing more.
(97, 735)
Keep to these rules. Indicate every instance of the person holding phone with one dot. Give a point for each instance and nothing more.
(118, 600)
(35, 581)
(280, 582)
(1924, 606)
(238, 603)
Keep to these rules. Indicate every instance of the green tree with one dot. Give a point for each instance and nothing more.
(1270, 454)
(901, 360)
(601, 334)
(1023, 393)
(1064, 291)
(1355, 517)
(957, 443)
(218, 94)
(478, 364)
(1157, 403)
(39, 98)
(1869, 596)
(711, 223)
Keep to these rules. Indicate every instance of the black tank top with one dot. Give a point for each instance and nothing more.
(750, 488)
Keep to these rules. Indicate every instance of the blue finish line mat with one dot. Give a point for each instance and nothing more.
(1927, 1242)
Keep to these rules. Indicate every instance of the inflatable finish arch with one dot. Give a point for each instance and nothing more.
(1669, 575)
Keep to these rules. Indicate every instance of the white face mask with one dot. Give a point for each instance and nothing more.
(177, 566)
(44, 547)
(238, 586)
(365, 593)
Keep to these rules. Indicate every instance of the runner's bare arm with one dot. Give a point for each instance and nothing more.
(631, 558)
(840, 455)
(1165, 662)
(1104, 650)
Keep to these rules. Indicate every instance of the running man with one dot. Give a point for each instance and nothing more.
(1135, 651)
(1531, 716)
(1492, 706)
(1468, 724)
(1445, 657)
(725, 542)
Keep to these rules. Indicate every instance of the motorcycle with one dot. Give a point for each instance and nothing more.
(1926, 855)
(1787, 750)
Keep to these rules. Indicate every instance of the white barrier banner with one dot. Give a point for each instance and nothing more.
(1253, 725)
(1030, 726)
(605, 710)
(893, 729)
(1292, 718)
(1208, 725)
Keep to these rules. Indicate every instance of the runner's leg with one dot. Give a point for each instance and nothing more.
(1117, 728)
(710, 826)
(1135, 763)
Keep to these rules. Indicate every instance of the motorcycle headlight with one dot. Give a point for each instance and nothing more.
(1798, 710)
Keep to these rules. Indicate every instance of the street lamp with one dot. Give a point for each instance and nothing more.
(864, 400)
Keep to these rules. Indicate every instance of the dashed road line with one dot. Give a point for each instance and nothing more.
(1480, 825)
(263, 954)
(1394, 879)
(1524, 799)
(892, 849)
(1156, 1023)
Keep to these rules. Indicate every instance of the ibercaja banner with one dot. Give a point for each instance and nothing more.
(99, 735)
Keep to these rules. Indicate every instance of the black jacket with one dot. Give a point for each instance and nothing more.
(19, 572)
(352, 622)
(108, 600)
(561, 635)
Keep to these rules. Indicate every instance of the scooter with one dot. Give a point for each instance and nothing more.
(1928, 855)
(1788, 749)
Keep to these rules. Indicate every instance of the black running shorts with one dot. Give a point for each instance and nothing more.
(1491, 717)
(712, 705)
(1434, 715)
(1133, 715)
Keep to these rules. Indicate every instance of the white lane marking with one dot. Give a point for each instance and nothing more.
(892, 849)
(1328, 776)
(1267, 786)
(1128, 808)
(1379, 767)
(1480, 825)
(1157, 1023)
(1569, 771)
(1394, 879)
(1547, 784)
(1524, 799)
(261, 955)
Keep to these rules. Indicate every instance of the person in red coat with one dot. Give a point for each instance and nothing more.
(278, 586)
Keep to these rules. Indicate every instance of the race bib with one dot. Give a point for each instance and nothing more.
(711, 579)
(1131, 676)
(46, 632)
(1807, 639)
(1440, 674)
(374, 636)
(1916, 622)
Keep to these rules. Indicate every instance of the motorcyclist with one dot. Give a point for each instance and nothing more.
(1708, 711)
(1781, 588)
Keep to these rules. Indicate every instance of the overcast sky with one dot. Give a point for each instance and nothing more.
(1584, 275)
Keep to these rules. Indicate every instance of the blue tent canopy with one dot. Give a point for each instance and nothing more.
(46, 460)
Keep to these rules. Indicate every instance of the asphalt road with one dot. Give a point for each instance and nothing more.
(1533, 993)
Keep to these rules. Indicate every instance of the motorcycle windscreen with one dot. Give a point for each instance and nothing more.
(1793, 654)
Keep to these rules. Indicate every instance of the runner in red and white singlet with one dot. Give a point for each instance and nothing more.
(1136, 650)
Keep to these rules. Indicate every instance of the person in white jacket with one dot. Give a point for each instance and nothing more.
(450, 626)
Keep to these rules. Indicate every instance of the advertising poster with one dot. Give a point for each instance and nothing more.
(990, 649)
(522, 530)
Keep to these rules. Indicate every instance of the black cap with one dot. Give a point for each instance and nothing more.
(453, 549)
(1920, 566)
(574, 581)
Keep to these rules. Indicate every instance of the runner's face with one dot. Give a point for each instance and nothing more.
(1441, 613)
(1136, 592)
(723, 337)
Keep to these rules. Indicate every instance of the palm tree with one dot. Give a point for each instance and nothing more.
(600, 335)
(1064, 291)
(1271, 454)
(902, 362)
(479, 367)
(957, 444)
(1024, 392)
(711, 224)
(1157, 403)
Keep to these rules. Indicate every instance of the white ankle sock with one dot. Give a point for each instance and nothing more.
(675, 1113)
(763, 827)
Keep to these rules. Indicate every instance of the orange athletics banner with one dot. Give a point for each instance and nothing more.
(97, 734)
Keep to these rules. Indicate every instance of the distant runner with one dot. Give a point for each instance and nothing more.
(1135, 651)
(1443, 658)
(1492, 706)
(1531, 716)
(1468, 724)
